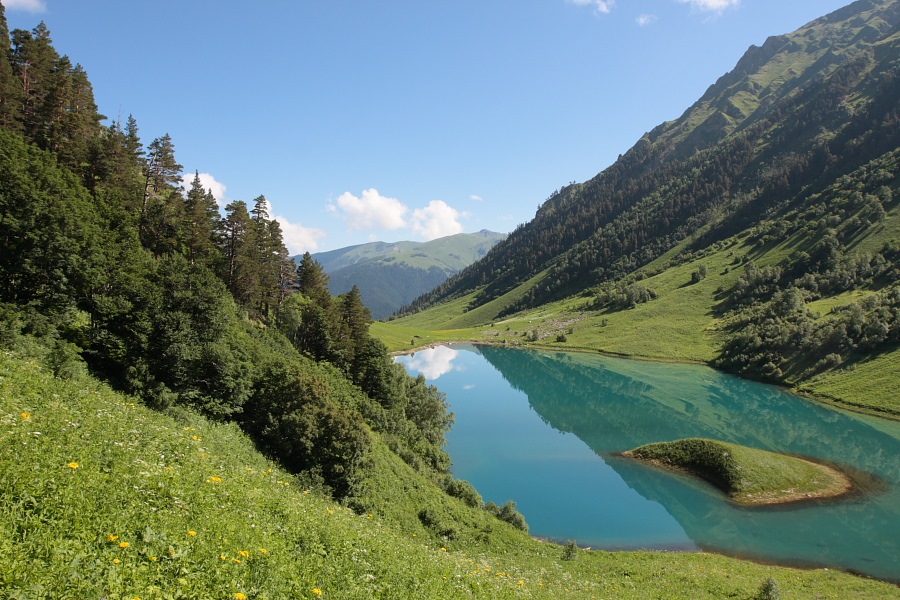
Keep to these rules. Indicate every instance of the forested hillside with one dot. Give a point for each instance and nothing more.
(107, 265)
(797, 145)
(391, 275)
(792, 117)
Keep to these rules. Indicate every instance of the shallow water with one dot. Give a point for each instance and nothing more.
(545, 428)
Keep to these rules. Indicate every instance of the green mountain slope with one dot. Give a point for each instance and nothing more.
(793, 116)
(778, 188)
(391, 275)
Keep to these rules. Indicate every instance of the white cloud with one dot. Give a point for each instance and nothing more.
(476, 198)
(299, 239)
(602, 6)
(371, 210)
(436, 220)
(27, 5)
(433, 362)
(209, 183)
(716, 6)
(645, 20)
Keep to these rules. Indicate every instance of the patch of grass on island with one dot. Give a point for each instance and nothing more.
(747, 475)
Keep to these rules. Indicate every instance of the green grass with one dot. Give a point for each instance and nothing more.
(747, 475)
(103, 498)
(872, 384)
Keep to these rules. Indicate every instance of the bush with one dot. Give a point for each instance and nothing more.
(570, 550)
(769, 590)
(462, 489)
(509, 513)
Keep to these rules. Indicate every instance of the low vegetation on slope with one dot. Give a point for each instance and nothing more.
(747, 475)
(102, 497)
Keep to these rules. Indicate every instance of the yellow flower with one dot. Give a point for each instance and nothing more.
(240, 596)
(443, 549)
(124, 544)
(263, 551)
(154, 558)
(111, 538)
(25, 415)
(116, 561)
(223, 557)
(72, 465)
(192, 533)
(244, 553)
(317, 591)
(214, 479)
(236, 561)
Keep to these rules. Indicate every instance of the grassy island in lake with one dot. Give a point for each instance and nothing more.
(747, 475)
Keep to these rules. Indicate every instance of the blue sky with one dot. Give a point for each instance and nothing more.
(402, 119)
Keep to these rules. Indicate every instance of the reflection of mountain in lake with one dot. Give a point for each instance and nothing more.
(617, 404)
(614, 405)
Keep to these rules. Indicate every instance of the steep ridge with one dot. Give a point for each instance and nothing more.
(792, 116)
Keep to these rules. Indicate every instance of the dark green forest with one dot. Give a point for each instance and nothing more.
(108, 265)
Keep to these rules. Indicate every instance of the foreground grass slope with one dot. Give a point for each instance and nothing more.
(101, 497)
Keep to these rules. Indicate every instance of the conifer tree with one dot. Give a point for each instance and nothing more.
(10, 87)
(202, 218)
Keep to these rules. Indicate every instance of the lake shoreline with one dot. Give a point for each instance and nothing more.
(832, 403)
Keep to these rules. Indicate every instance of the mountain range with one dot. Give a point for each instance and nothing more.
(391, 275)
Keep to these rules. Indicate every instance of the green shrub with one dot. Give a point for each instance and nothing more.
(769, 590)
(462, 489)
(570, 550)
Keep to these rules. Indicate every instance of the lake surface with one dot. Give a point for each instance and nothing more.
(545, 428)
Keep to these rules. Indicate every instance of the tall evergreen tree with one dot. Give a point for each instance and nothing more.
(34, 63)
(202, 219)
(10, 87)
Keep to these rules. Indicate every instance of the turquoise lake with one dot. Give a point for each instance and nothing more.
(545, 429)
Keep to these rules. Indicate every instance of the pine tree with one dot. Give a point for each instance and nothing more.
(162, 211)
(34, 63)
(312, 281)
(237, 242)
(10, 87)
(202, 219)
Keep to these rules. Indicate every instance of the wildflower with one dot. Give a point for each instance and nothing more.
(123, 545)
(72, 465)
(317, 591)
(192, 533)
(171, 551)
(240, 596)
(116, 561)
(263, 551)
(154, 558)
(196, 438)
(214, 479)
(330, 511)
(306, 492)
(111, 538)
(443, 549)
(25, 415)
(244, 553)
(236, 561)
(223, 557)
